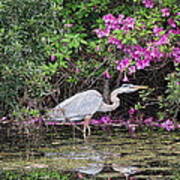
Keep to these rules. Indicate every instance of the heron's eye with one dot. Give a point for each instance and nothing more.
(125, 85)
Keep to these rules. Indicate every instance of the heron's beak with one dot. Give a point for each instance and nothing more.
(140, 87)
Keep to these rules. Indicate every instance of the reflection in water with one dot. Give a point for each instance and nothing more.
(74, 155)
(99, 168)
(127, 171)
(97, 163)
(148, 156)
(91, 169)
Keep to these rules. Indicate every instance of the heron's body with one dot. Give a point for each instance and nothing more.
(75, 108)
(85, 104)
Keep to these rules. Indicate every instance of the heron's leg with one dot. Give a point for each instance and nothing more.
(86, 126)
(89, 130)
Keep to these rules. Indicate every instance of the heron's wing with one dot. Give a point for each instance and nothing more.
(77, 106)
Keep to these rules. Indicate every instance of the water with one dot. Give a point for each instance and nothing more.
(107, 154)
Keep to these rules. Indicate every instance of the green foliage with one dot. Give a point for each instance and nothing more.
(24, 113)
(170, 104)
(32, 32)
(22, 52)
(173, 89)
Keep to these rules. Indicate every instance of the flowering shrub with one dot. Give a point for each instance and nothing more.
(137, 120)
(141, 43)
(157, 45)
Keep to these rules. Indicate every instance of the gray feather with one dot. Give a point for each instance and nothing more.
(77, 107)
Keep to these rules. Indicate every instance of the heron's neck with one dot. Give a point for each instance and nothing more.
(114, 99)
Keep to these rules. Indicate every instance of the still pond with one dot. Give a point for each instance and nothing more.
(109, 153)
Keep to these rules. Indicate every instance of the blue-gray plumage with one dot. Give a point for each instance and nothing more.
(85, 104)
(77, 107)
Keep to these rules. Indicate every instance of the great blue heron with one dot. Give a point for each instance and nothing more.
(85, 104)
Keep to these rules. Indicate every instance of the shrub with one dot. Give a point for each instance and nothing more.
(50, 51)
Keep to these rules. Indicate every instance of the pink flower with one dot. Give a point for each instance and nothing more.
(120, 18)
(125, 79)
(106, 74)
(120, 46)
(155, 53)
(174, 31)
(52, 58)
(141, 64)
(97, 48)
(111, 22)
(102, 120)
(148, 121)
(132, 69)
(172, 23)
(123, 64)
(148, 3)
(168, 125)
(77, 70)
(68, 25)
(128, 24)
(177, 60)
(112, 26)
(132, 128)
(109, 18)
(127, 49)
(112, 40)
(105, 119)
(176, 54)
(157, 30)
(102, 32)
(137, 54)
(165, 12)
(132, 111)
(163, 40)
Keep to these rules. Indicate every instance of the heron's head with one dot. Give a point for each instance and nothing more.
(128, 88)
